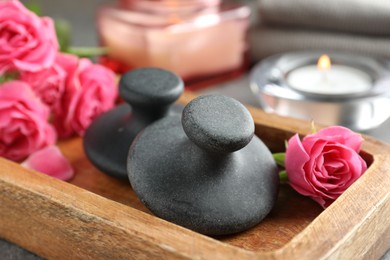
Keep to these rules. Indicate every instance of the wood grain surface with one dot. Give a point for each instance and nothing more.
(98, 217)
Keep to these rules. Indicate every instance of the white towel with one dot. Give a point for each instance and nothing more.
(266, 41)
(357, 16)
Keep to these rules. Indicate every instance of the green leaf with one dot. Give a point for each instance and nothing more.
(279, 158)
(87, 51)
(63, 31)
(8, 76)
(283, 177)
(313, 127)
(34, 7)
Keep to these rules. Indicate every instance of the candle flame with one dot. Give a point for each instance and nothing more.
(324, 63)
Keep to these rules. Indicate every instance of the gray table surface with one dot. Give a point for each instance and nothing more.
(81, 15)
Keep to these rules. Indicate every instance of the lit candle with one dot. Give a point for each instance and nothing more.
(329, 79)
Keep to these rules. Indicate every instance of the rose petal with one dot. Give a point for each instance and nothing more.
(50, 161)
(17, 91)
(341, 135)
(24, 126)
(47, 84)
(325, 164)
(27, 42)
(296, 157)
(90, 90)
(322, 201)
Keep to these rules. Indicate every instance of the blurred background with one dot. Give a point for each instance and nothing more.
(275, 27)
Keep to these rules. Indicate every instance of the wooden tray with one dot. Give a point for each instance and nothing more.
(98, 217)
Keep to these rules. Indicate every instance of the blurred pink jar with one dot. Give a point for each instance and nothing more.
(194, 38)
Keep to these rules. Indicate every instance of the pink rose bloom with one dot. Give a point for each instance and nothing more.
(48, 84)
(50, 161)
(27, 42)
(324, 164)
(89, 91)
(24, 128)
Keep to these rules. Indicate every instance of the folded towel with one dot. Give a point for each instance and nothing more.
(266, 41)
(358, 16)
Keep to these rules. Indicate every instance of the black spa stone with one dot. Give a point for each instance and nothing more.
(213, 176)
(149, 94)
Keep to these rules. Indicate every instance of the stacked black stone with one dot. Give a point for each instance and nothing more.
(207, 172)
(149, 94)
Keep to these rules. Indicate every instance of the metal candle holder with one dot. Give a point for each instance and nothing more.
(358, 111)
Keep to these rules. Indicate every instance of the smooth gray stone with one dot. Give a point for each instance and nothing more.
(149, 93)
(233, 129)
(9, 251)
(150, 87)
(214, 193)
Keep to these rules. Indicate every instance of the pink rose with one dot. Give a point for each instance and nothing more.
(48, 84)
(23, 121)
(50, 161)
(324, 164)
(27, 42)
(90, 90)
